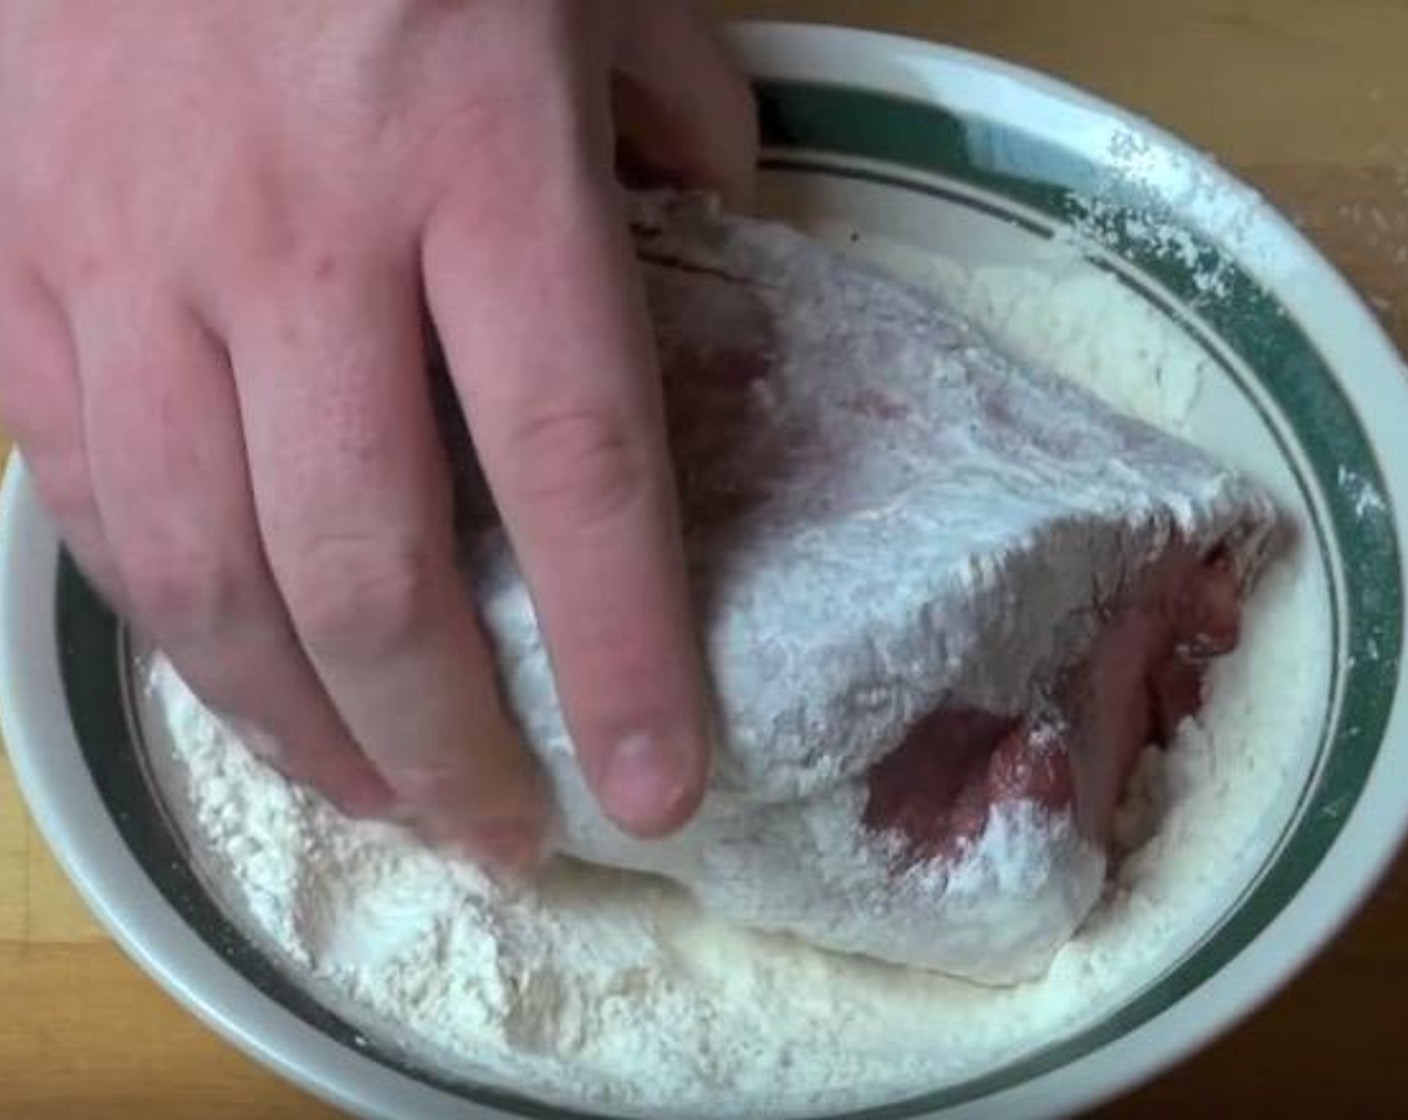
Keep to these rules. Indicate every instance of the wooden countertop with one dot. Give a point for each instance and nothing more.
(1307, 100)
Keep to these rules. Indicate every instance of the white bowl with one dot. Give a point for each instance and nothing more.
(979, 159)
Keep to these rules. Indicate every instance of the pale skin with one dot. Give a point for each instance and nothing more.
(222, 227)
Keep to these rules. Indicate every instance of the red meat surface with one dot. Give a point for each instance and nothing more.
(1141, 678)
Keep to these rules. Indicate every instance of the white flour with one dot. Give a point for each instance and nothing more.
(611, 990)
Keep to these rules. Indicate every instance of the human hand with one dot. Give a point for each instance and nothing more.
(223, 224)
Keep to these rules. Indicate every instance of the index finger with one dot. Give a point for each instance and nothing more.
(538, 302)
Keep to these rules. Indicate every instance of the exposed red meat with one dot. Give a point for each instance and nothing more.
(1141, 678)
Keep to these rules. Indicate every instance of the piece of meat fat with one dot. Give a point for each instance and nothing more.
(944, 598)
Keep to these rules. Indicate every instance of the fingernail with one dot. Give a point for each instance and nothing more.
(365, 797)
(259, 742)
(513, 847)
(645, 786)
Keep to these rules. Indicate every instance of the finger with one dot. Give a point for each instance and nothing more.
(42, 409)
(533, 290)
(354, 501)
(682, 104)
(172, 483)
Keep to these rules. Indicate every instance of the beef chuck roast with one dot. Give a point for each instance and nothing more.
(945, 601)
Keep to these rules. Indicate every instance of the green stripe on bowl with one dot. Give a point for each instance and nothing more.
(1032, 173)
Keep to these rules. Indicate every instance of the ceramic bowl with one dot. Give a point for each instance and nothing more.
(983, 162)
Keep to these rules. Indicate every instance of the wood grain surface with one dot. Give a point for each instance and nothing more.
(1306, 99)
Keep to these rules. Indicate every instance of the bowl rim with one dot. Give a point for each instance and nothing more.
(77, 828)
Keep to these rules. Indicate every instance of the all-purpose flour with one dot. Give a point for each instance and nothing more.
(614, 991)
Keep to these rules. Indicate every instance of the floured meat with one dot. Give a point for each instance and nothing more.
(945, 599)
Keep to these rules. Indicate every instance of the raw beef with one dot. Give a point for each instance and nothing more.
(946, 600)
